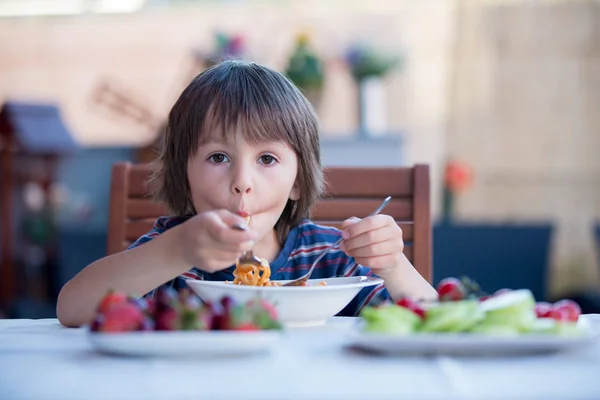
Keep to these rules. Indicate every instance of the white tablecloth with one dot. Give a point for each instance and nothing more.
(39, 359)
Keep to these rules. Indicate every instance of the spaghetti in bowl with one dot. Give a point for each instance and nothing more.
(308, 305)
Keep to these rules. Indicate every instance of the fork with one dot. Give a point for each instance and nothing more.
(302, 280)
(248, 256)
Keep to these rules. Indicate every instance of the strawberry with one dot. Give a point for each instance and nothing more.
(412, 305)
(122, 317)
(450, 289)
(247, 327)
(543, 309)
(109, 300)
(568, 310)
(559, 314)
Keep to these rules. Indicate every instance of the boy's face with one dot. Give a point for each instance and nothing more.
(241, 177)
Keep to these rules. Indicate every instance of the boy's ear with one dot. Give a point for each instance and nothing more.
(295, 193)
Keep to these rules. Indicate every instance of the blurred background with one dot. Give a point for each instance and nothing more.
(500, 98)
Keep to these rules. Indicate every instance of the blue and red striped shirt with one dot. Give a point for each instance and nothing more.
(303, 245)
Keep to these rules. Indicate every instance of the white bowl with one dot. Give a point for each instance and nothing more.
(296, 305)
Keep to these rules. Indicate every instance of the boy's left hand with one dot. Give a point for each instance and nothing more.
(375, 242)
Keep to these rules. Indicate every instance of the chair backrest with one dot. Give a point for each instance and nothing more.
(351, 191)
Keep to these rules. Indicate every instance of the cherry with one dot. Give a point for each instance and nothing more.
(227, 303)
(167, 320)
(450, 289)
(543, 309)
(97, 323)
(412, 305)
(566, 310)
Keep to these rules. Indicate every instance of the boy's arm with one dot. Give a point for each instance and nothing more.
(366, 296)
(401, 281)
(404, 280)
(138, 270)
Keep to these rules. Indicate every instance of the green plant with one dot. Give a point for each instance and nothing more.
(304, 67)
(365, 62)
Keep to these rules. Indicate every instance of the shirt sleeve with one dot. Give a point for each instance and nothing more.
(371, 295)
(161, 225)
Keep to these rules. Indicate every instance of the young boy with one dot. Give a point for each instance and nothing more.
(242, 140)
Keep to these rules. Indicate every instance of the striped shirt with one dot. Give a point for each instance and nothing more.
(303, 245)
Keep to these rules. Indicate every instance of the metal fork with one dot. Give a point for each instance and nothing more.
(300, 281)
(247, 257)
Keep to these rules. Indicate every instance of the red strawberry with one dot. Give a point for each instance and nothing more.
(123, 317)
(543, 309)
(568, 310)
(247, 327)
(559, 314)
(111, 299)
(412, 305)
(450, 289)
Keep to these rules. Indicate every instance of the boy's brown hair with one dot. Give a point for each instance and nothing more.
(268, 107)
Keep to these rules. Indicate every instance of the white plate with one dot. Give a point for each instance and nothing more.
(470, 344)
(296, 305)
(184, 343)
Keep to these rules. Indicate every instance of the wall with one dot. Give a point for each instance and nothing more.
(524, 112)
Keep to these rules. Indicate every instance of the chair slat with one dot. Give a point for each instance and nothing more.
(138, 178)
(142, 208)
(341, 182)
(369, 182)
(341, 209)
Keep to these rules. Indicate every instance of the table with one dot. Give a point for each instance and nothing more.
(40, 359)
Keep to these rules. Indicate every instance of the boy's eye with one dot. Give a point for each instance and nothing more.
(218, 158)
(267, 159)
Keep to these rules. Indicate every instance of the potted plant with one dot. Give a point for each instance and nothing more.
(368, 66)
(306, 70)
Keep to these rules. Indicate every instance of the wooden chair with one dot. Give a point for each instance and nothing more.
(351, 191)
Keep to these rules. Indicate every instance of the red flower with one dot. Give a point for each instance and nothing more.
(458, 176)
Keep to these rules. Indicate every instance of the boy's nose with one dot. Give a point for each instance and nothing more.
(241, 185)
(239, 189)
(241, 179)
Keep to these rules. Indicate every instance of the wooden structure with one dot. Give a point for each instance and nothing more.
(351, 192)
(33, 137)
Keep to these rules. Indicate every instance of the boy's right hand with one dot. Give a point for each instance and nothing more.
(207, 241)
